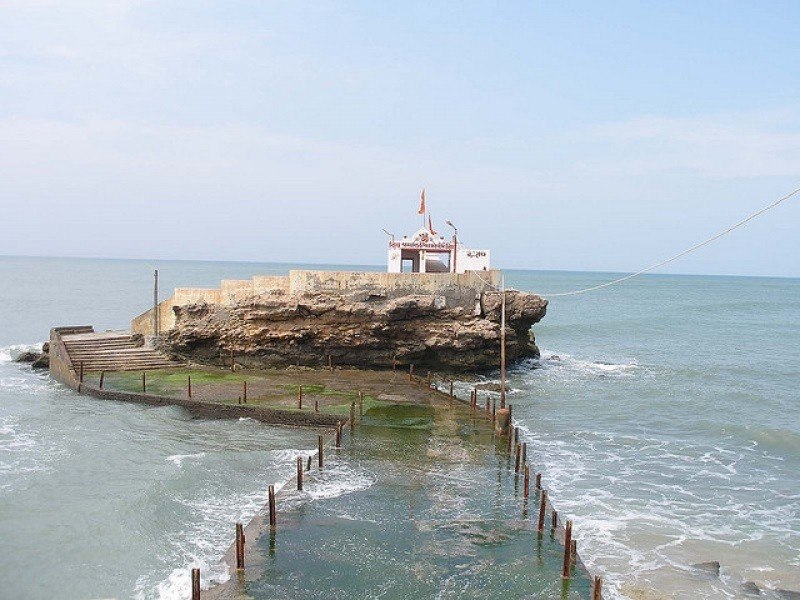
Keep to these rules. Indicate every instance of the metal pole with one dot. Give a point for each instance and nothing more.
(503, 345)
(155, 304)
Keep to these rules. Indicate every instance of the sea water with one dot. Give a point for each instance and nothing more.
(663, 414)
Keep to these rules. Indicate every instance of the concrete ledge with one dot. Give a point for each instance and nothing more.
(214, 410)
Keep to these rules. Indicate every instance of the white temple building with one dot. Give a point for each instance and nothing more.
(426, 252)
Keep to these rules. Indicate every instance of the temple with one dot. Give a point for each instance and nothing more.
(425, 252)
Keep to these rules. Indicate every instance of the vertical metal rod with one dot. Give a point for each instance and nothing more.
(394, 362)
(299, 473)
(567, 550)
(195, 584)
(597, 588)
(299, 396)
(554, 519)
(308, 464)
(233, 361)
(319, 451)
(503, 344)
(316, 406)
(494, 411)
(524, 453)
(80, 376)
(189, 387)
(538, 481)
(156, 324)
(102, 377)
(517, 453)
(144, 383)
(526, 482)
(244, 391)
(574, 552)
(361, 404)
(272, 516)
(352, 415)
(542, 510)
(239, 547)
(451, 388)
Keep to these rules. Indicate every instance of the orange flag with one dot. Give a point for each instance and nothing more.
(430, 225)
(422, 203)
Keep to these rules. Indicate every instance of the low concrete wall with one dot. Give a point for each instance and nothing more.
(458, 288)
(61, 370)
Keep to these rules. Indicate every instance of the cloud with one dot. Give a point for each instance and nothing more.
(726, 145)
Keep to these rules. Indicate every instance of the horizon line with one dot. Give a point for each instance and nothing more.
(377, 266)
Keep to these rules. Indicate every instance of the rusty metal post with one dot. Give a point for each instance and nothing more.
(524, 453)
(360, 404)
(488, 408)
(319, 451)
(239, 547)
(567, 550)
(80, 376)
(299, 396)
(144, 383)
(451, 388)
(299, 473)
(244, 392)
(102, 378)
(338, 442)
(554, 519)
(195, 584)
(517, 453)
(538, 481)
(308, 464)
(352, 415)
(316, 406)
(542, 510)
(597, 588)
(273, 520)
(494, 411)
(189, 387)
(526, 482)
(574, 552)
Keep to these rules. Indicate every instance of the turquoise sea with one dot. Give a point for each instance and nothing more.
(664, 414)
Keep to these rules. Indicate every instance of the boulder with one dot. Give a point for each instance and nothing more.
(710, 567)
(27, 357)
(42, 362)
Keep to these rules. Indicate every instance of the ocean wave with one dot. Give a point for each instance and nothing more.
(565, 365)
(11, 353)
(178, 459)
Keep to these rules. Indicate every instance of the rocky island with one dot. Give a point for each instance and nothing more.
(452, 328)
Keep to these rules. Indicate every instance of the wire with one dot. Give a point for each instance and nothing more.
(680, 254)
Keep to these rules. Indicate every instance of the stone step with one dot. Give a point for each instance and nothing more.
(112, 351)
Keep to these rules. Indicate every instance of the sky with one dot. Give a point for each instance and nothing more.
(560, 135)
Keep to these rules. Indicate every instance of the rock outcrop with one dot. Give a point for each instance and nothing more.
(363, 329)
(38, 360)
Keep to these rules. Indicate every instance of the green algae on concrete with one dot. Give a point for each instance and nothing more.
(403, 510)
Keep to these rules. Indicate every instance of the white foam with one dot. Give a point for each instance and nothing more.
(178, 459)
(11, 353)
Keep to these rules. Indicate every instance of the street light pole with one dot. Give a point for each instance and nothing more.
(455, 245)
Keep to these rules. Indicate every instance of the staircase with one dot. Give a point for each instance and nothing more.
(112, 351)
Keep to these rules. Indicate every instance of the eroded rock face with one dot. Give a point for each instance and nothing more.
(359, 329)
